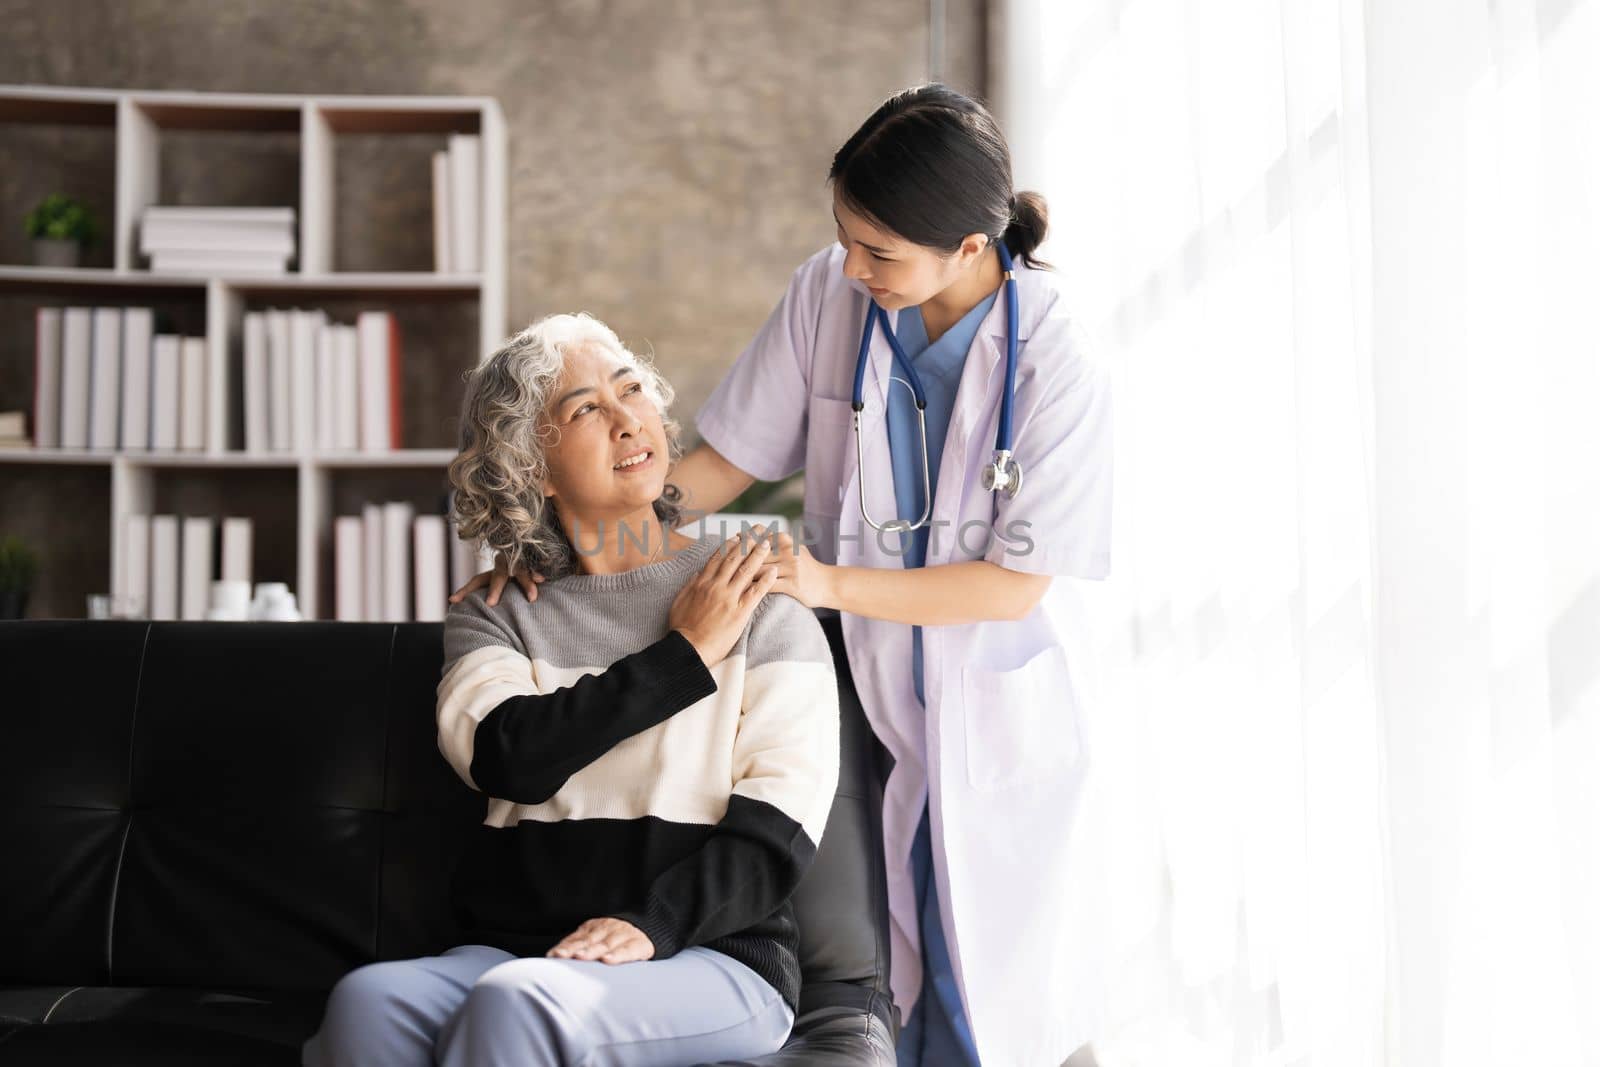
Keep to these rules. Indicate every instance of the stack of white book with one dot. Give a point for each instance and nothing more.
(218, 240)
(103, 378)
(169, 561)
(393, 565)
(458, 206)
(314, 384)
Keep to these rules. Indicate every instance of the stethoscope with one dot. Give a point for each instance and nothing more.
(1002, 474)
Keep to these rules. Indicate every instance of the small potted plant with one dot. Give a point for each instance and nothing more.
(18, 565)
(60, 227)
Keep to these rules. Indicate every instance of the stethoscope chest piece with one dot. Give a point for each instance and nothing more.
(1003, 475)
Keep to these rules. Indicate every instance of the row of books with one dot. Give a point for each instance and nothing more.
(104, 379)
(458, 205)
(393, 565)
(310, 382)
(170, 561)
(218, 240)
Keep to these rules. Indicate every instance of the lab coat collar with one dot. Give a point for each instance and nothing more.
(1028, 284)
(994, 322)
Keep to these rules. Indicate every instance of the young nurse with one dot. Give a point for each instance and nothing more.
(940, 562)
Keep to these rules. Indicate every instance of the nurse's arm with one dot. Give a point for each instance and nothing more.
(944, 595)
(708, 480)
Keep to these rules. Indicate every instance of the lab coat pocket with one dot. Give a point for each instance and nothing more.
(1022, 724)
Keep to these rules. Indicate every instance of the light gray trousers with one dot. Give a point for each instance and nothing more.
(477, 1006)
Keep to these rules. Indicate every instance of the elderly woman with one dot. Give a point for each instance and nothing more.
(657, 739)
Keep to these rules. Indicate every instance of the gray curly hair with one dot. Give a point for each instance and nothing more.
(500, 474)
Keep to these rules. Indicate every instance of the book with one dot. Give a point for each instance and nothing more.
(135, 589)
(165, 385)
(232, 216)
(280, 376)
(429, 562)
(105, 378)
(256, 391)
(443, 260)
(228, 239)
(327, 386)
(164, 567)
(348, 564)
(465, 168)
(397, 516)
(303, 326)
(218, 263)
(76, 342)
(372, 562)
(138, 326)
(197, 565)
(346, 395)
(47, 378)
(237, 537)
(192, 394)
(379, 380)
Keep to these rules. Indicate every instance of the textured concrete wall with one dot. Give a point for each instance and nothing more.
(667, 160)
(667, 156)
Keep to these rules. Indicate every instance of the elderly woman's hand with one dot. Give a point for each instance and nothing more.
(606, 940)
(496, 581)
(713, 609)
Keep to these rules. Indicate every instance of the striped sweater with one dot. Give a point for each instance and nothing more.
(627, 780)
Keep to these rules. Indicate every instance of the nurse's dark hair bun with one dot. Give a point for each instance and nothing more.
(931, 165)
(1030, 219)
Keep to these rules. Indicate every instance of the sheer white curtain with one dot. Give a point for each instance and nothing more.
(1345, 259)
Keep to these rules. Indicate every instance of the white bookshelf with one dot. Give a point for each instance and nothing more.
(138, 120)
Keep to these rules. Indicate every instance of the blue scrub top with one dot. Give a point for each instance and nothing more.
(937, 1033)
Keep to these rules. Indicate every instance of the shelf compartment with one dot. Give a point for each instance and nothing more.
(74, 557)
(180, 310)
(438, 331)
(267, 495)
(166, 139)
(329, 491)
(65, 153)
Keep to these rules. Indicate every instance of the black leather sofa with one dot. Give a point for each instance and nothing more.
(208, 824)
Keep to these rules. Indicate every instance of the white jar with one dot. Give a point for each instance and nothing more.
(274, 603)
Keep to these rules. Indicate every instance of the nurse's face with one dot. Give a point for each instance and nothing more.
(897, 272)
(608, 459)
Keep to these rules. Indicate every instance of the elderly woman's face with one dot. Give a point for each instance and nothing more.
(609, 458)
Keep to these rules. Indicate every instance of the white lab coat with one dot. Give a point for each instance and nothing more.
(1001, 754)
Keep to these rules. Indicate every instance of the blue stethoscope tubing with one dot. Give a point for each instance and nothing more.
(1002, 474)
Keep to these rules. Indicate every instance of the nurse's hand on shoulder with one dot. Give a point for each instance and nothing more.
(496, 580)
(799, 573)
(606, 940)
